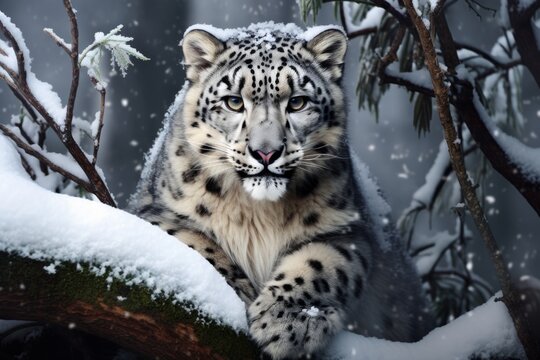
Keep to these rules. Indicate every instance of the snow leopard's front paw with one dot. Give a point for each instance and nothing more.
(287, 326)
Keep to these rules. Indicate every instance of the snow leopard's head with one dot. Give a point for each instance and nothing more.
(265, 103)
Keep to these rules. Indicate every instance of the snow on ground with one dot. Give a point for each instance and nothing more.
(484, 331)
(43, 225)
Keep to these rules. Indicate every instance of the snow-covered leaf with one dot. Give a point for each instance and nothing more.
(117, 45)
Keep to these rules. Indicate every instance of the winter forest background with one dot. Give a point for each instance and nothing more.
(391, 146)
(396, 155)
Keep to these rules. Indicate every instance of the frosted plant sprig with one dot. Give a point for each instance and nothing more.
(121, 53)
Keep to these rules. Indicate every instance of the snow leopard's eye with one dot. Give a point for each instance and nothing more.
(297, 103)
(234, 103)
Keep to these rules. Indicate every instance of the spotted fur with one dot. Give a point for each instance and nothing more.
(266, 193)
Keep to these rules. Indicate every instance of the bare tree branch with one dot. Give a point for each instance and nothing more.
(75, 69)
(21, 69)
(362, 32)
(33, 152)
(97, 139)
(397, 80)
(58, 41)
(398, 15)
(510, 294)
(357, 33)
(482, 53)
(12, 74)
(96, 185)
(27, 167)
(343, 19)
(526, 41)
(27, 106)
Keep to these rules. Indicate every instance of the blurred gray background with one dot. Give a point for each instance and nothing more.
(136, 104)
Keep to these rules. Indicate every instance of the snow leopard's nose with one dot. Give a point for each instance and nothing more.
(265, 158)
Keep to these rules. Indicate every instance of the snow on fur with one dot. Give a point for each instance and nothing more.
(377, 208)
(39, 224)
(264, 31)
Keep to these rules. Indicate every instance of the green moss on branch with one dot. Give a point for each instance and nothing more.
(95, 303)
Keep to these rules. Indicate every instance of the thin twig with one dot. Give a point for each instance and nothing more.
(58, 41)
(390, 57)
(97, 139)
(27, 167)
(504, 67)
(26, 105)
(33, 152)
(75, 70)
(23, 133)
(482, 53)
(447, 171)
(357, 33)
(362, 32)
(18, 53)
(10, 72)
(391, 79)
(343, 18)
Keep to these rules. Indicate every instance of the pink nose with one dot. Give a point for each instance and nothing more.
(266, 157)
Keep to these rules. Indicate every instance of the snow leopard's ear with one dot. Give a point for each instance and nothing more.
(329, 48)
(200, 51)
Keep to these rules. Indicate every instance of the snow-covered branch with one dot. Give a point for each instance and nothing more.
(525, 29)
(58, 40)
(109, 270)
(355, 23)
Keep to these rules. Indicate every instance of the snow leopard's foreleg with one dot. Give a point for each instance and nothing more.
(307, 300)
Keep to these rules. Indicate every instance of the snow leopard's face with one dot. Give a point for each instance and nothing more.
(267, 110)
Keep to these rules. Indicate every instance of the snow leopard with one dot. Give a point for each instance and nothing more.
(254, 172)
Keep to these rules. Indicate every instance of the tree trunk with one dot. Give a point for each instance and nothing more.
(126, 315)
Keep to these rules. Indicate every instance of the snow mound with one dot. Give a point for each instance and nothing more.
(42, 225)
(485, 331)
(264, 32)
